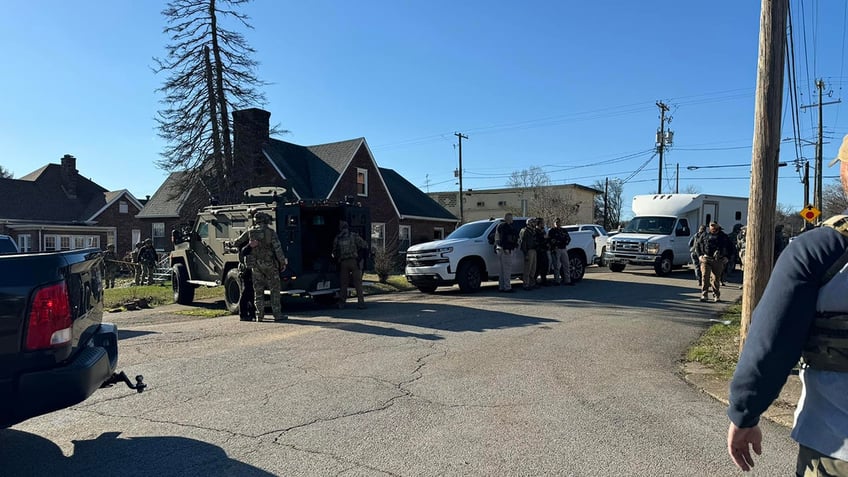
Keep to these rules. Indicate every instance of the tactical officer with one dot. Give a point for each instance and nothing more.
(147, 258)
(527, 244)
(506, 239)
(346, 248)
(803, 313)
(266, 260)
(713, 249)
(560, 239)
(543, 262)
(110, 265)
(136, 263)
(693, 251)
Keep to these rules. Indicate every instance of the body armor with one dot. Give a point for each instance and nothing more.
(826, 348)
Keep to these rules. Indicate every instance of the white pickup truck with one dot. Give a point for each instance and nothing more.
(601, 236)
(467, 257)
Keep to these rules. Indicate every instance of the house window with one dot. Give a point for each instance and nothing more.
(378, 237)
(136, 237)
(158, 235)
(438, 233)
(404, 233)
(481, 204)
(123, 207)
(25, 243)
(50, 242)
(64, 242)
(362, 182)
(94, 241)
(79, 242)
(501, 203)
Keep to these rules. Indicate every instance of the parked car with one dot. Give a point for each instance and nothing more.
(600, 235)
(467, 257)
(55, 351)
(7, 245)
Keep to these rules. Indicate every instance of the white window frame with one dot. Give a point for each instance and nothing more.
(136, 237)
(404, 235)
(157, 234)
(364, 173)
(25, 243)
(123, 207)
(378, 236)
(50, 242)
(440, 231)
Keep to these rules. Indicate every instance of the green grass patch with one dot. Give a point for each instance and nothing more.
(393, 284)
(718, 347)
(203, 312)
(155, 295)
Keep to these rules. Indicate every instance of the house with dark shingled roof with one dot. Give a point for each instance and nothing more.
(401, 214)
(56, 208)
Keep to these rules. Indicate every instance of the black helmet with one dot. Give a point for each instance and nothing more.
(262, 218)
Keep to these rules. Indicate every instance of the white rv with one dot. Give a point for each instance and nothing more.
(659, 233)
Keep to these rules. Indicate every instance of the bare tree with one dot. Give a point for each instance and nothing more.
(541, 198)
(834, 201)
(615, 192)
(5, 173)
(211, 72)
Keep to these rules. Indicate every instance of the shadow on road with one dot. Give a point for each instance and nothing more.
(26, 454)
(127, 334)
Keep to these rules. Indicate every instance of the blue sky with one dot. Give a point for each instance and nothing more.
(566, 86)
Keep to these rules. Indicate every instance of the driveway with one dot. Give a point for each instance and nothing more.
(577, 380)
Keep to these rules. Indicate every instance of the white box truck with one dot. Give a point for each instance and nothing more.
(662, 225)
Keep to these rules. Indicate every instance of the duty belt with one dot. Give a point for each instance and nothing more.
(827, 344)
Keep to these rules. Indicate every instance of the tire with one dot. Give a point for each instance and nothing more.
(183, 291)
(232, 291)
(577, 266)
(616, 267)
(664, 266)
(428, 289)
(469, 276)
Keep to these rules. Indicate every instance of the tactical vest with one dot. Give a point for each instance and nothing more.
(827, 344)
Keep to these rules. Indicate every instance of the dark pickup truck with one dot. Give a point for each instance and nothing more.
(54, 349)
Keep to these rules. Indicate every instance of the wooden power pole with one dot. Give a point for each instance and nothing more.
(461, 211)
(759, 240)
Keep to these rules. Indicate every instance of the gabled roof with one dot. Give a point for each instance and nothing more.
(312, 171)
(410, 200)
(100, 203)
(167, 201)
(40, 196)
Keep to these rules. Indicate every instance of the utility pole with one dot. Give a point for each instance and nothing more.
(606, 203)
(806, 183)
(817, 181)
(677, 178)
(662, 140)
(759, 241)
(461, 213)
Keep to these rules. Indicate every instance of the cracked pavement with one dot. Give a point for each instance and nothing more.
(558, 381)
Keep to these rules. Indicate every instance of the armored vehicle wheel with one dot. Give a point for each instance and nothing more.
(617, 267)
(183, 291)
(664, 266)
(469, 276)
(232, 291)
(577, 267)
(428, 289)
(327, 299)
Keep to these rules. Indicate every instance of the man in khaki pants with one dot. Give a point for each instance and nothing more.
(712, 249)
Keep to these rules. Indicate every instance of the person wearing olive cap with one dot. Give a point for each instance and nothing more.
(266, 260)
(803, 314)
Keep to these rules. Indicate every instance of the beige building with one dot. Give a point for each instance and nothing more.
(573, 203)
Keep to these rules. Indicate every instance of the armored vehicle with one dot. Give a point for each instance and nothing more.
(203, 254)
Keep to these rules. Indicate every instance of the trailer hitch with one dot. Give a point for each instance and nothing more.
(122, 377)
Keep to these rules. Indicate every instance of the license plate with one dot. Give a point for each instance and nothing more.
(323, 285)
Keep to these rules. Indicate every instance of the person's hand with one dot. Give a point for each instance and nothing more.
(253, 243)
(740, 441)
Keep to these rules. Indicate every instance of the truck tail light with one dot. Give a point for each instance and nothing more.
(49, 318)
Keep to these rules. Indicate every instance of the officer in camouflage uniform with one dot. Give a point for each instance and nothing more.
(148, 257)
(110, 264)
(266, 260)
(136, 264)
(346, 247)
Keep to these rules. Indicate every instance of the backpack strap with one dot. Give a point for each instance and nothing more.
(840, 224)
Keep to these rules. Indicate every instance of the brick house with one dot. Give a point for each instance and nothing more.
(55, 208)
(401, 214)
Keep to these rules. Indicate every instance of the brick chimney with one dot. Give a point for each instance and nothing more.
(251, 131)
(69, 175)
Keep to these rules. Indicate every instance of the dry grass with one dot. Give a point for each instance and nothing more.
(718, 347)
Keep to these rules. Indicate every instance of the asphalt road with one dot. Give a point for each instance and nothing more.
(577, 380)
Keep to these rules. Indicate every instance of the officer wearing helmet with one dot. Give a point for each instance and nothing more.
(266, 260)
(148, 257)
(110, 264)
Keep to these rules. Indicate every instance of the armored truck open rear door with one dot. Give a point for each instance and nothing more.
(205, 257)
